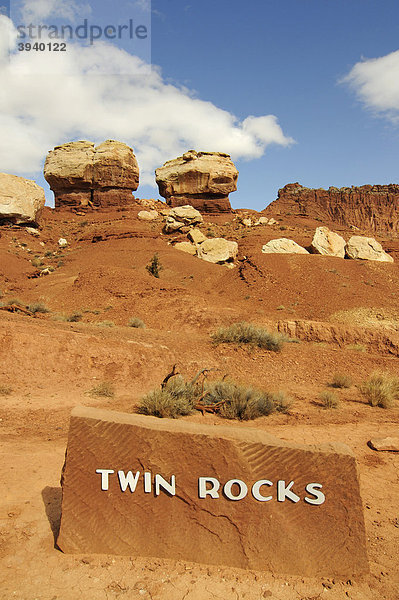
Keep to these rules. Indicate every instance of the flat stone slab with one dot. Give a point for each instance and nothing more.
(220, 495)
(387, 444)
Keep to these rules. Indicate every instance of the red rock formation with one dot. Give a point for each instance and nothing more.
(369, 207)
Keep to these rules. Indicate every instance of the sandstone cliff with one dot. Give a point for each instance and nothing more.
(369, 207)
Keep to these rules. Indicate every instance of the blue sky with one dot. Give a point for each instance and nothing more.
(253, 59)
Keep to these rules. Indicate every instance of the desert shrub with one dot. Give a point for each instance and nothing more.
(16, 302)
(282, 402)
(356, 347)
(5, 390)
(74, 317)
(381, 389)
(106, 324)
(240, 401)
(329, 399)
(247, 333)
(38, 307)
(154, 267)
(36, 262)
(176, 399)
(105, 389)
(341, 380)
(136, 322)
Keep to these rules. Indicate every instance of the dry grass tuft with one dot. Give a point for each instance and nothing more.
(341, 380)
(105, 389)
(329, 399)
(136, 322)
(381, 389)
(247, 333)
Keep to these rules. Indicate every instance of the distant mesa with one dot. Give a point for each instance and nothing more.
(21, 200)
(203, 180)
(370, 207)
(81, 174)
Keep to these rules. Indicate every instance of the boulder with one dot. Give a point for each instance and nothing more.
(196, 236)
(283, 246)
(172, 225)
(366, 248)
(217, 250)
(82, 174)
(328, 243)
(387, 444)
(148, 215)
(262, 221)
(186, 214)
(186, 247)
(202, 179)
(62, 242)
(21, 200)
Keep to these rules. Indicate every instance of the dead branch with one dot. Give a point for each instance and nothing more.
(172, 373)
(15, 308)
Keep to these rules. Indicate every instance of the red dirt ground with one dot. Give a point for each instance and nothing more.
(52, 364)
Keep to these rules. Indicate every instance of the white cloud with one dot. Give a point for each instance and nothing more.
(376, 83)
(37, 11)
(159, 120)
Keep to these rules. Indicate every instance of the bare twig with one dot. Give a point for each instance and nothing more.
(172, 373)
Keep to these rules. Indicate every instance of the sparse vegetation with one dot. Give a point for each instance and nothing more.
(247, 333)
(154, 267)
(5, 390)
(329, 399)
(106, 324)
(36, 262)
(136, 322)
(105, 389)
(341, 380)
(74, 317)
(38, 307)
(381, 389)
(357, 347)
(230, 400)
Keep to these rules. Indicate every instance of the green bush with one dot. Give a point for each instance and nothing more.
(381, 389)
(136, 322)
(176, 399)
(154, 267)
(329, 399)
(247, 333)
(341, 380)
(240, 402)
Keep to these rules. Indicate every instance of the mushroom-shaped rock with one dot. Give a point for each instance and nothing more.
(21, 200)
(283, 246)
(366, 248)
(202, 179)
(328, 243)
(80, 173)
(217, 250)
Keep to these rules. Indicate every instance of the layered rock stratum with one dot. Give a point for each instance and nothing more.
(369, 207)
(81, 174)
(202, 179)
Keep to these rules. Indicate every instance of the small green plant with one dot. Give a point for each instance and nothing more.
(253, 335)
(176, 398)
(83, 223)
(282, 402)
(38, 307)
(48, 254)
(105, 389)
(280, 307)
(341, 380)
(136, 322)
(381, 389)
(5, 390)
(154, 267)
(329, 399)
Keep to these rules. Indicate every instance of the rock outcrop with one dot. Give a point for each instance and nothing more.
(21, 200)
(328, 243)
(370, 207)
(202, 179)
(283, 246)
(82, 174)
(366, 248)
(217, 250)
(182, 217)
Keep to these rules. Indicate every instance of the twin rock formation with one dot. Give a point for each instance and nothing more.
(82, 174)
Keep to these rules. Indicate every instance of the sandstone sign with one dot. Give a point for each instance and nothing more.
(221, 495)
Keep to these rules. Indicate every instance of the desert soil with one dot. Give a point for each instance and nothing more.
(51, 365)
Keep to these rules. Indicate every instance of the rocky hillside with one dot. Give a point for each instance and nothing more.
(373, 208)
